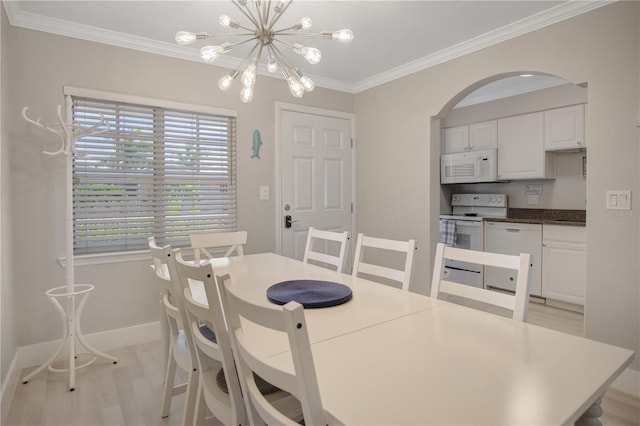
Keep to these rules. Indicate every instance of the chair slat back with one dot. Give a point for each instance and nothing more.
(300, 379)
(317, 235)
(228, 408)
(518, 302)
(235, 241)
(402, 276)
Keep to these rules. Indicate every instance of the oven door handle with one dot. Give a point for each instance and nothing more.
(473, 223)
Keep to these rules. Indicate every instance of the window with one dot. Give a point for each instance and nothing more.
(156, 171)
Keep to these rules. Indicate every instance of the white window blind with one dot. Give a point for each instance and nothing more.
(156, 172)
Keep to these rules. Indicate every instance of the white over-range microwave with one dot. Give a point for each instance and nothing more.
(469, 167)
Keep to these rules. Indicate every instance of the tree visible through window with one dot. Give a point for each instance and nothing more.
(155, 172)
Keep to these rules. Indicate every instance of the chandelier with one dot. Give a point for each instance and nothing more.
(267, 42)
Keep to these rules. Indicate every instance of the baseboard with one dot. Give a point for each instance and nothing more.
(34, 355)
(628, 382)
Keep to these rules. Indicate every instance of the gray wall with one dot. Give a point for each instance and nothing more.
(398, 127)
(8, 344)
(38, 66)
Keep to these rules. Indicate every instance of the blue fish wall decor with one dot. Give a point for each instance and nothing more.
(257, 141)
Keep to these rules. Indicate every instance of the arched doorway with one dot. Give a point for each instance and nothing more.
(496, 100)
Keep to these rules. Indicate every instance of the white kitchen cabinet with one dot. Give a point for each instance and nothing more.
(483, 135)
(456, 139)
(564, 263)
(514, 238)
(564, 128)
(521, 153)
(474, 137)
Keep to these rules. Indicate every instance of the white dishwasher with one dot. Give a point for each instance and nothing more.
(514, 238)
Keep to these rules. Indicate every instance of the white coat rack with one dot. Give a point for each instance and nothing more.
(69, 134)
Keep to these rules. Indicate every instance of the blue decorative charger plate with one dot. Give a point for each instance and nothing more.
(309, 293)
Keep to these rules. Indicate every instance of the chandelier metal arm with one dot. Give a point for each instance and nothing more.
(246, 12)
(278, 15)
(238, 43)
(284, 42)
(260, 16)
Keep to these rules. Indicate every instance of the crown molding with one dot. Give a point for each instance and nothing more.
(20, 18)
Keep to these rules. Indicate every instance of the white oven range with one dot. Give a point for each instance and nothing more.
(466, 221)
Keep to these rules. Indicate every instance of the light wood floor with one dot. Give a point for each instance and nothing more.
(129, 393)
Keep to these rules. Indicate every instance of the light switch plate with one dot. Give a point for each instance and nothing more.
(264, 192)
(619, 200)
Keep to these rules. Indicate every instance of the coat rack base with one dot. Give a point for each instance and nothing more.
(72, 334)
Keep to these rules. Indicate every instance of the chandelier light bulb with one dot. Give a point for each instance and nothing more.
(296, 88)
(344, 36)
(249, 75)
(246, 95)
(311, 54)
(210, 53)
(304, 23)
(225, 82)
(224, 20)
(307, 83)
(185, 37)
(272, 66)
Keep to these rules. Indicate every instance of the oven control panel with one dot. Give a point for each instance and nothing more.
(479, 200)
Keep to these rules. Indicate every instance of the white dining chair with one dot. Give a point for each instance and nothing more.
(213, 348)
(322, 247)
(201, 243)
(381, 247)
(518, 303)
(299, 378)
(181, 348)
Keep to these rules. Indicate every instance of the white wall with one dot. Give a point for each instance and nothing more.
(398, 127)
(38, 66)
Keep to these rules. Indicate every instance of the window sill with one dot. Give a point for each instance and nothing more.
(104, 258)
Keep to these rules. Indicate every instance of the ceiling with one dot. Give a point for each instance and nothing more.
(392, 38)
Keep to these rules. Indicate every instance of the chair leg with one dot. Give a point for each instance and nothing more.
(191, 397)
(169, 379)
(201, 405)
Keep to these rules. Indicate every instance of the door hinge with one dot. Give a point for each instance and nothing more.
(351, 143)
(351, 208)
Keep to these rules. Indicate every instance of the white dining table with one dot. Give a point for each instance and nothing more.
(389, 357)
(371, 303)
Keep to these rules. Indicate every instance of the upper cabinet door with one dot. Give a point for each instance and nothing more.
(483, 136)
(456, 139)
(564, 128)
(521, 152)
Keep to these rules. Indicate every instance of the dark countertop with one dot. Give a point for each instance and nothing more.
(545, 216)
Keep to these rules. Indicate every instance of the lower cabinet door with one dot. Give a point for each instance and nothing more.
(564, 271)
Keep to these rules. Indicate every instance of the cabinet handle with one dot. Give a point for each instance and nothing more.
(512, 230)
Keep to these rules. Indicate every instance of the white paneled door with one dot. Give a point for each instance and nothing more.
(316, 177)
